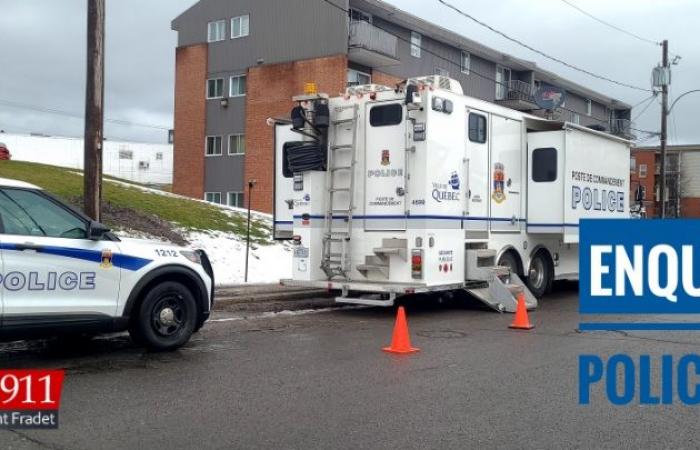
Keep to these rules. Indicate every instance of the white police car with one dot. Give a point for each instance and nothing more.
(62, 273)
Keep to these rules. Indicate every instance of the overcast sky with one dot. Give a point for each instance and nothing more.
(42, 56)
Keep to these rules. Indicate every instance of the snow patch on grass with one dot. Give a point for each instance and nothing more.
(267, 264)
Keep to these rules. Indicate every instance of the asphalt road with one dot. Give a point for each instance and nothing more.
(321, 381)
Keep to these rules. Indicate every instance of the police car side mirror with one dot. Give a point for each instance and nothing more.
(96, 230)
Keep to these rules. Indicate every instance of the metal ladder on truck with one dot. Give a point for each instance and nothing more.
(336, 240)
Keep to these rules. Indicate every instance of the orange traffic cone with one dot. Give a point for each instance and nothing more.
(400, 341)
(521, 321)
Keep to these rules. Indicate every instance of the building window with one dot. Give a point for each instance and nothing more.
(215, 88)
(240, 26)
(125, 153)
(442, 72)
(589, 107)
(236, 199)
(416, 40)
(502, 82)
(238, 86)
(642, 171)
(466, 62)
(213, 197)
(575, 118)
(213, 146)
(633, 164)
(544, 165)
(477, 128)
(236, 144)
(643, 192)
(359, 16)
(216, 31)
(356, 78)
(159, 156)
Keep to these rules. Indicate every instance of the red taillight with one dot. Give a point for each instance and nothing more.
(417, 263)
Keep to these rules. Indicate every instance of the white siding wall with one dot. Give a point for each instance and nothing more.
(690, 174)
(68, 152)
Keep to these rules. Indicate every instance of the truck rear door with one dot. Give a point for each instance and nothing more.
(477, 155)
(385, 164)
(283, 205)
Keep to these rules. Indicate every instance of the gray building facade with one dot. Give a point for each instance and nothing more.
(374, 41)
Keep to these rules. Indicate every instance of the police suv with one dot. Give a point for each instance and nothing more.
(62, 273)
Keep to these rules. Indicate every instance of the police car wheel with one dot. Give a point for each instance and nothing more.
(166, 318)
(539, 276)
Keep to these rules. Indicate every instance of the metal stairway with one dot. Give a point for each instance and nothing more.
(336, 240)
(504, 286)
(379, 261)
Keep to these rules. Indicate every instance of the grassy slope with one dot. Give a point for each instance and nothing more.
(188, 214)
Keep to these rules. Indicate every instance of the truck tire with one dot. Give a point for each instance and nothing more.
(540, 274)
(166, 318)
(510, 260)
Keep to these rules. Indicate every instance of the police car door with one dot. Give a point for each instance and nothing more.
(385, 161)
(51, 271)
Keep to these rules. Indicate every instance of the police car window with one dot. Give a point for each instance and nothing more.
(477, 128)
(386, 115)
(28, 213)
(544, 164)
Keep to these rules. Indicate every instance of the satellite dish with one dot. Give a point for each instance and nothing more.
(550, 97)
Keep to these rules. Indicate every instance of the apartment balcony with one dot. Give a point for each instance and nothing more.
(372, 46)
(516, 94)
(622, 128)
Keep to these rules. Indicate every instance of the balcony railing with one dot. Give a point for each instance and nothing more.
(516, 94)
(621, 127)
(365, 36)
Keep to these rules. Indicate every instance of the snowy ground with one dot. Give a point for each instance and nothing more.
(267, 263)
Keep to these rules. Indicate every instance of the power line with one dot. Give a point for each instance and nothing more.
(539, 52)
(645, 108)
(608, 24)
(78, 116)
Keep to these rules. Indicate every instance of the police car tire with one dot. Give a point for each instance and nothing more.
(149, 330)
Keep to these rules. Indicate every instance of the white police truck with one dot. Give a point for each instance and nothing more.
(62, 273)
(419, 188)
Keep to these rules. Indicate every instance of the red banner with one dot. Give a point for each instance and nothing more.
(30, 390)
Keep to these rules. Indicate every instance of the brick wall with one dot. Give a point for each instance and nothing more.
(190, 120)
(385, 79)
(270, 91)
(648, 158)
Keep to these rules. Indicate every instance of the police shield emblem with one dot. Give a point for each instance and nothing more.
(106, 259)
(499, 194)
(385, 158)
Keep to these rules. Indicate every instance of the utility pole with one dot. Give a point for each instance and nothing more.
(664, 117)
(94, 113)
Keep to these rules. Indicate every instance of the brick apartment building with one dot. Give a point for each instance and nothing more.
(682, 179)
(239, 62)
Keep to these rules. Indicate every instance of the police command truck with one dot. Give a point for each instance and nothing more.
(419, 188)
(62, 273)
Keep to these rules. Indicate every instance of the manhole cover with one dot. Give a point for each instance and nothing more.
(442, 334)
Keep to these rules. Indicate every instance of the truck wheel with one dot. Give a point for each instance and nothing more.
(539, 276)
(166, 317)
(509, 260)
